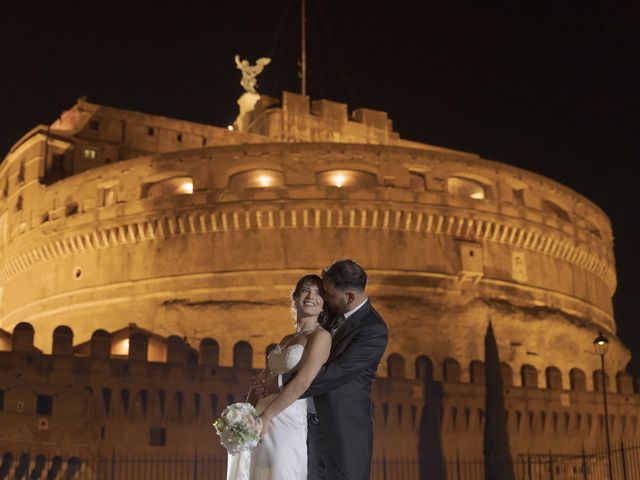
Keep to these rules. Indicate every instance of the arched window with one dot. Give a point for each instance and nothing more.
(179, 185)
(507, 374)
(451, 370)
(242, 355)
(209, 351)
(71, 209)
(417, 181)
(258, 178)
(554, 378)
(477, 372)
(577, 380)
(529, 376)
(424, 368)
(346, 178)
(466, 188)
(395, 366)
(597, 380)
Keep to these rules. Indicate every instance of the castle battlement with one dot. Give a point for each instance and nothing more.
(102, 384)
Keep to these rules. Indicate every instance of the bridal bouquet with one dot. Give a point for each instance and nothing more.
(239, 427)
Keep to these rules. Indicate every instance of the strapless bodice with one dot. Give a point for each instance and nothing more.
(283, 360)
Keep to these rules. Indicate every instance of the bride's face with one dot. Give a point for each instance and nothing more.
(309, 302)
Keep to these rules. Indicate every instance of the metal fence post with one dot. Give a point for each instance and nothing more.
(195, 465)
(530, 477)
(458, 465)
(113, 465)
(585, 475)
(550, 466)
(624, 462)
(384, 466)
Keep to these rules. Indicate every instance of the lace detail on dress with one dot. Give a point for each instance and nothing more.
(283, 360)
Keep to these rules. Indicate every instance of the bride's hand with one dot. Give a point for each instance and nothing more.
(266, 423)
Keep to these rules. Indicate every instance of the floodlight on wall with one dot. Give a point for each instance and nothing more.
(259, 178)
(185, 188)
(346, 178)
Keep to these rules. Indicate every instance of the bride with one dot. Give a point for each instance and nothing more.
(282, 452)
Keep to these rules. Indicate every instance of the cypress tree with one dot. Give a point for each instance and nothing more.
(498, 464)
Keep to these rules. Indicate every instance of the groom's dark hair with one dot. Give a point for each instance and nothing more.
(345, 275)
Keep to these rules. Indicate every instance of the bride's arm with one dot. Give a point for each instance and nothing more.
(316, 354)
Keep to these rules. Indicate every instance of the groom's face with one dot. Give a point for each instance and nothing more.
(336, 299)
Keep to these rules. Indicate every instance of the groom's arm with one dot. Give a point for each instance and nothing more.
(366, 349)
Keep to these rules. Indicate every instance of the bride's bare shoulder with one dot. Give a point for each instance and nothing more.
(320, 333)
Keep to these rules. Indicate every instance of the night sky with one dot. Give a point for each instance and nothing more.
(552, 87)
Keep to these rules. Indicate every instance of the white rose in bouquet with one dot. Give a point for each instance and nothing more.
(239, 427)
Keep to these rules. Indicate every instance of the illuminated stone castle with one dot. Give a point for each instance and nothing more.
(168, 249)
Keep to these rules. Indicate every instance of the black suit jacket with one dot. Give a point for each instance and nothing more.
(342, 391)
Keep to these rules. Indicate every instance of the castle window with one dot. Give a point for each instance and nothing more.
(346, 178)
(157, 436)
(21, 172)
(1, 400)
(90, 153)
(518, 196)
(94, 124)
(5, 189)
(417, 181)
(162, 401)
(466, 188)
(124, 397)
(151, 131)
(44, 405)
(213, 398)
(57, 163)
(260, 178)
(529, 376)
(106, 399)
(179, 137)
(167, 187)
(144, 401)
(577, 380)
(507, 374)
(19, 203)
(597, 381)
(554, 378)
(395, 366)
(179, 402)
(196, 405)
(555, 210)
(106, 196)
(476, 371)
(44, 218)
(71, 209)
(242, 355)
(424, 368)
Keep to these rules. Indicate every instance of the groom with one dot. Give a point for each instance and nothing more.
(340, 434)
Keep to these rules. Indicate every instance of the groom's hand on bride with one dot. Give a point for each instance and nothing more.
(264, 384)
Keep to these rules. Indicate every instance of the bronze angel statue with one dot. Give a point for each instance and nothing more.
(250, 72)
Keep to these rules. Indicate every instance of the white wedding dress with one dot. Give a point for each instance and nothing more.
(282, 455)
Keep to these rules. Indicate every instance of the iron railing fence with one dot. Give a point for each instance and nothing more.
(588, 465)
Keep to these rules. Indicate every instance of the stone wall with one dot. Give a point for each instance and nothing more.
(88, 399)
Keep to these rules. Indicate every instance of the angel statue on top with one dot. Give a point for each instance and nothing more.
(250, 72)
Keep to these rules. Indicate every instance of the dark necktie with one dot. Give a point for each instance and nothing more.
(337, 323)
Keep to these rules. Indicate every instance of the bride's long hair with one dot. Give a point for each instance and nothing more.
(323, 318)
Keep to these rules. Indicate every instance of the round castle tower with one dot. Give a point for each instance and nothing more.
(110, 217)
